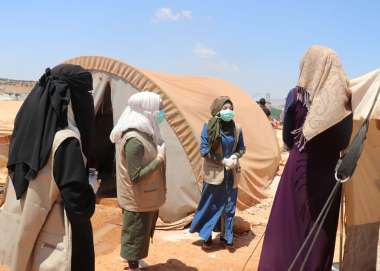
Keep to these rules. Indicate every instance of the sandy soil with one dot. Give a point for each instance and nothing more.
(180, 250)
(8, 111)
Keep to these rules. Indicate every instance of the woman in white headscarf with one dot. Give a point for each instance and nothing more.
(141, 184)
(317, 127)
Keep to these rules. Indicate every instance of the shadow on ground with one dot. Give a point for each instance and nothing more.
(170, 265)
(242, 240)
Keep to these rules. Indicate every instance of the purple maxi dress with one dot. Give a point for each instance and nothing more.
(305, 185)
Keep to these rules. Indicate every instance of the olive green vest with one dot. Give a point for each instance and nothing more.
(147, 194)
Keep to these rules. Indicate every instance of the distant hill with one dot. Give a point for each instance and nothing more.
(12, 87)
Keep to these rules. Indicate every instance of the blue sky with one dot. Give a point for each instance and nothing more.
(254, 44)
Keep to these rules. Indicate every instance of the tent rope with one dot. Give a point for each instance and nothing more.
(320, 220)
(319, 229)
(253, 252)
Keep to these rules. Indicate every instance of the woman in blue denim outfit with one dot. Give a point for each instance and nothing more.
(222, 146)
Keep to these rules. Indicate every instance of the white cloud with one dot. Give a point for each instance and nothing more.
(202, 51)
(167, 15)
(211, 61)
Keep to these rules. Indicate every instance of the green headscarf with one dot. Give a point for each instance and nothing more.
(213, 131)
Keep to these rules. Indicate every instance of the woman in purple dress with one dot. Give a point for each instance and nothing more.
(317, 127)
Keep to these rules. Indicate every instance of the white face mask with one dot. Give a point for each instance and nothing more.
(227, 115)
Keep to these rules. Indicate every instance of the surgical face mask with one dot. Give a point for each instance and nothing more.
(227, 115)
(160, 116)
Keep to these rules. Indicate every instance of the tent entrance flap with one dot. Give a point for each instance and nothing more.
(103, 147)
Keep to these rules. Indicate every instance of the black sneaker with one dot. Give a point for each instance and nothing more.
(206, 245)
(230, 247)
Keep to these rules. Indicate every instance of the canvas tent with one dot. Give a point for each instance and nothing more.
(186, 102)
(362, 192)
(8, 111)
(368, 171)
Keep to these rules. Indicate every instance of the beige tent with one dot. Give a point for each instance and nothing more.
(362, 192)
(186, 101)
(8, 111)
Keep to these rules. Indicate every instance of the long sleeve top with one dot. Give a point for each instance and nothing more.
(288, 126)
(71, 177)
(134, 153)
(205, 148)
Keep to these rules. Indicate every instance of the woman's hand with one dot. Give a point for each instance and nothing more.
(93, 180)
(161, 151)
(235, 161)
(230, 163)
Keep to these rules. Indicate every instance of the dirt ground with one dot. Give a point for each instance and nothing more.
(180, 250)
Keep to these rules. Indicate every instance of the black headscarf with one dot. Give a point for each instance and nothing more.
(43, 113)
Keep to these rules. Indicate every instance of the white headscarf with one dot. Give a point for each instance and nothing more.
(140, 115)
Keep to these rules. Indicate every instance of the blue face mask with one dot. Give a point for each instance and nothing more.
(227, 115)
(160, 116)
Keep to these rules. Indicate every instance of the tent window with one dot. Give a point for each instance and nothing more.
(104, 149)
